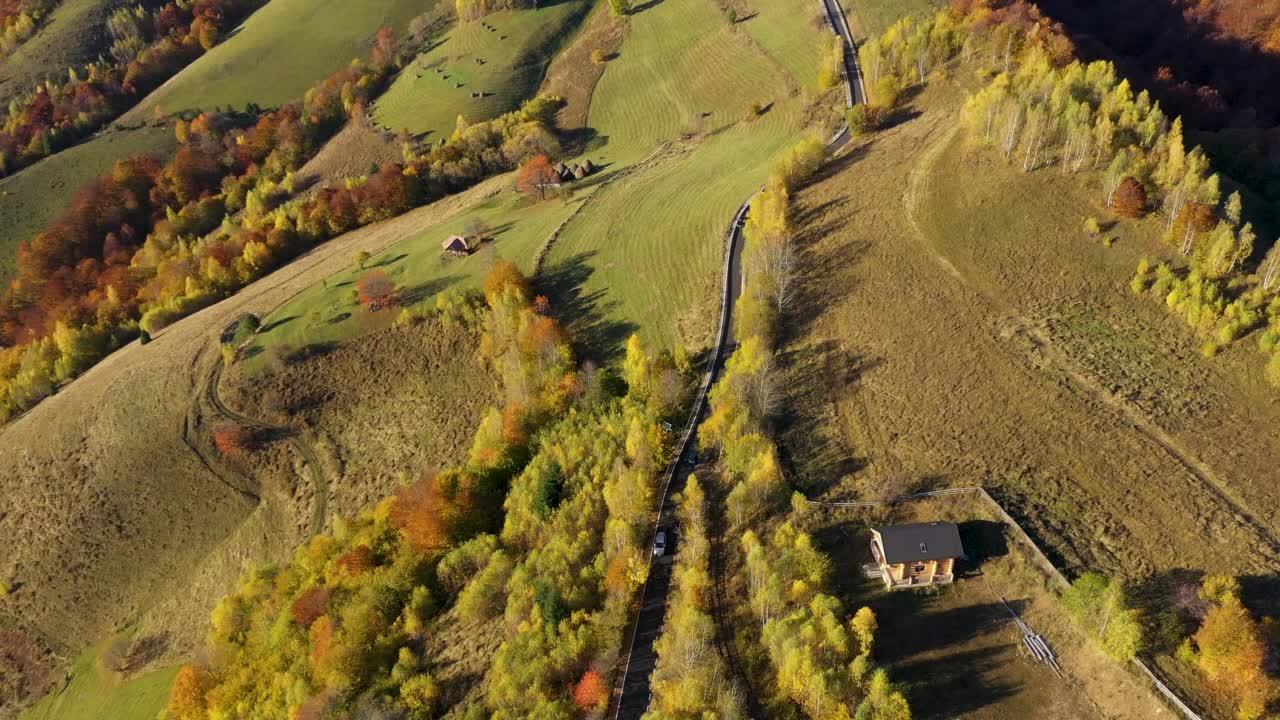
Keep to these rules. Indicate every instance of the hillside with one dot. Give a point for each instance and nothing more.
(30, 200)
(277, 54)
(361, 408)
(74, 34)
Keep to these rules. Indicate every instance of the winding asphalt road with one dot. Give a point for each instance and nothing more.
(633, 700)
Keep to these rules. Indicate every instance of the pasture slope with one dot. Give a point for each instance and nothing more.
(278, 53)
(633, 248)
(503, 58)
(32, 199)
(74, 35)
(172, 525)
(121, 512)
(958, 328)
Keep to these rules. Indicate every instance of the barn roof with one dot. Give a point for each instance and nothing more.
(454, 241)
(920, 541)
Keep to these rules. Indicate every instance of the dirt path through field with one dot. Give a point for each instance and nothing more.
(110, 510)
(906, 371)
(315, 472)
(920, 177)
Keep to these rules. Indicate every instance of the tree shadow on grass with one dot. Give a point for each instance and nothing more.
(418, 293)
(277, 323)
(585, 314)
(816, 376)
(957, 684)
(390, 261)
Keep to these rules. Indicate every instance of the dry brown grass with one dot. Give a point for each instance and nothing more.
(573, 75)
(399, 401)
(350, 153)
(960, 330)
(111, 516)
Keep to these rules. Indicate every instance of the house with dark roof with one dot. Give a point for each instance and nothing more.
(916, 554)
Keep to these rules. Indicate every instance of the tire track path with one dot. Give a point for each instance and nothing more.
(319, 483)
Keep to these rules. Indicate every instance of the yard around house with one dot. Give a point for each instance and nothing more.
(956, 647)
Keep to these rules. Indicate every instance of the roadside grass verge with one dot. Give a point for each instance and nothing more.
(870, 18)
(32, 199)
(278, 53)
(505, 64)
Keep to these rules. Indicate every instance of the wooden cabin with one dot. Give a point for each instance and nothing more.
(916, 554)
(456, 245)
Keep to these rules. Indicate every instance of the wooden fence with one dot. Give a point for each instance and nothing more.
(1040, 559)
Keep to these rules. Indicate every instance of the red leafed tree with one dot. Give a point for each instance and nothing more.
(310, 605)
(356, 560)
(591, 691)
(232, 439)
(1130, 199)
(376, 291)
(536, 175)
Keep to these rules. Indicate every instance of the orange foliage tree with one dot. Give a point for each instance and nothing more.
(187, 699)
(357, 560)
(232, 439)
(376, 291)
(431, 511)
(536, 175)
(591, 691)
(1233, 652)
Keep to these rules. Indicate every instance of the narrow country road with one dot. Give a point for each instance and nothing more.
(632, 701)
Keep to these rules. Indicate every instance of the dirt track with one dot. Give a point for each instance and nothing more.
(111, 513)
(931, 351)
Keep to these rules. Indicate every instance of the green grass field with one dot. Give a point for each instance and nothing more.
(641, 244)
(870, 18)
(93, 694)
(280, 52)
(648, 249)
(327, 312)
(33, 198)
(776, 26)
(74, 34)
(426, 98)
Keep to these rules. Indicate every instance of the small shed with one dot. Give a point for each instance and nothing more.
(579, 172)
(917, 554)
(559, 168)
(456, 244)
(588, 167)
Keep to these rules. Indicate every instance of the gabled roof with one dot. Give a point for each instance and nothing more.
(914, 542)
